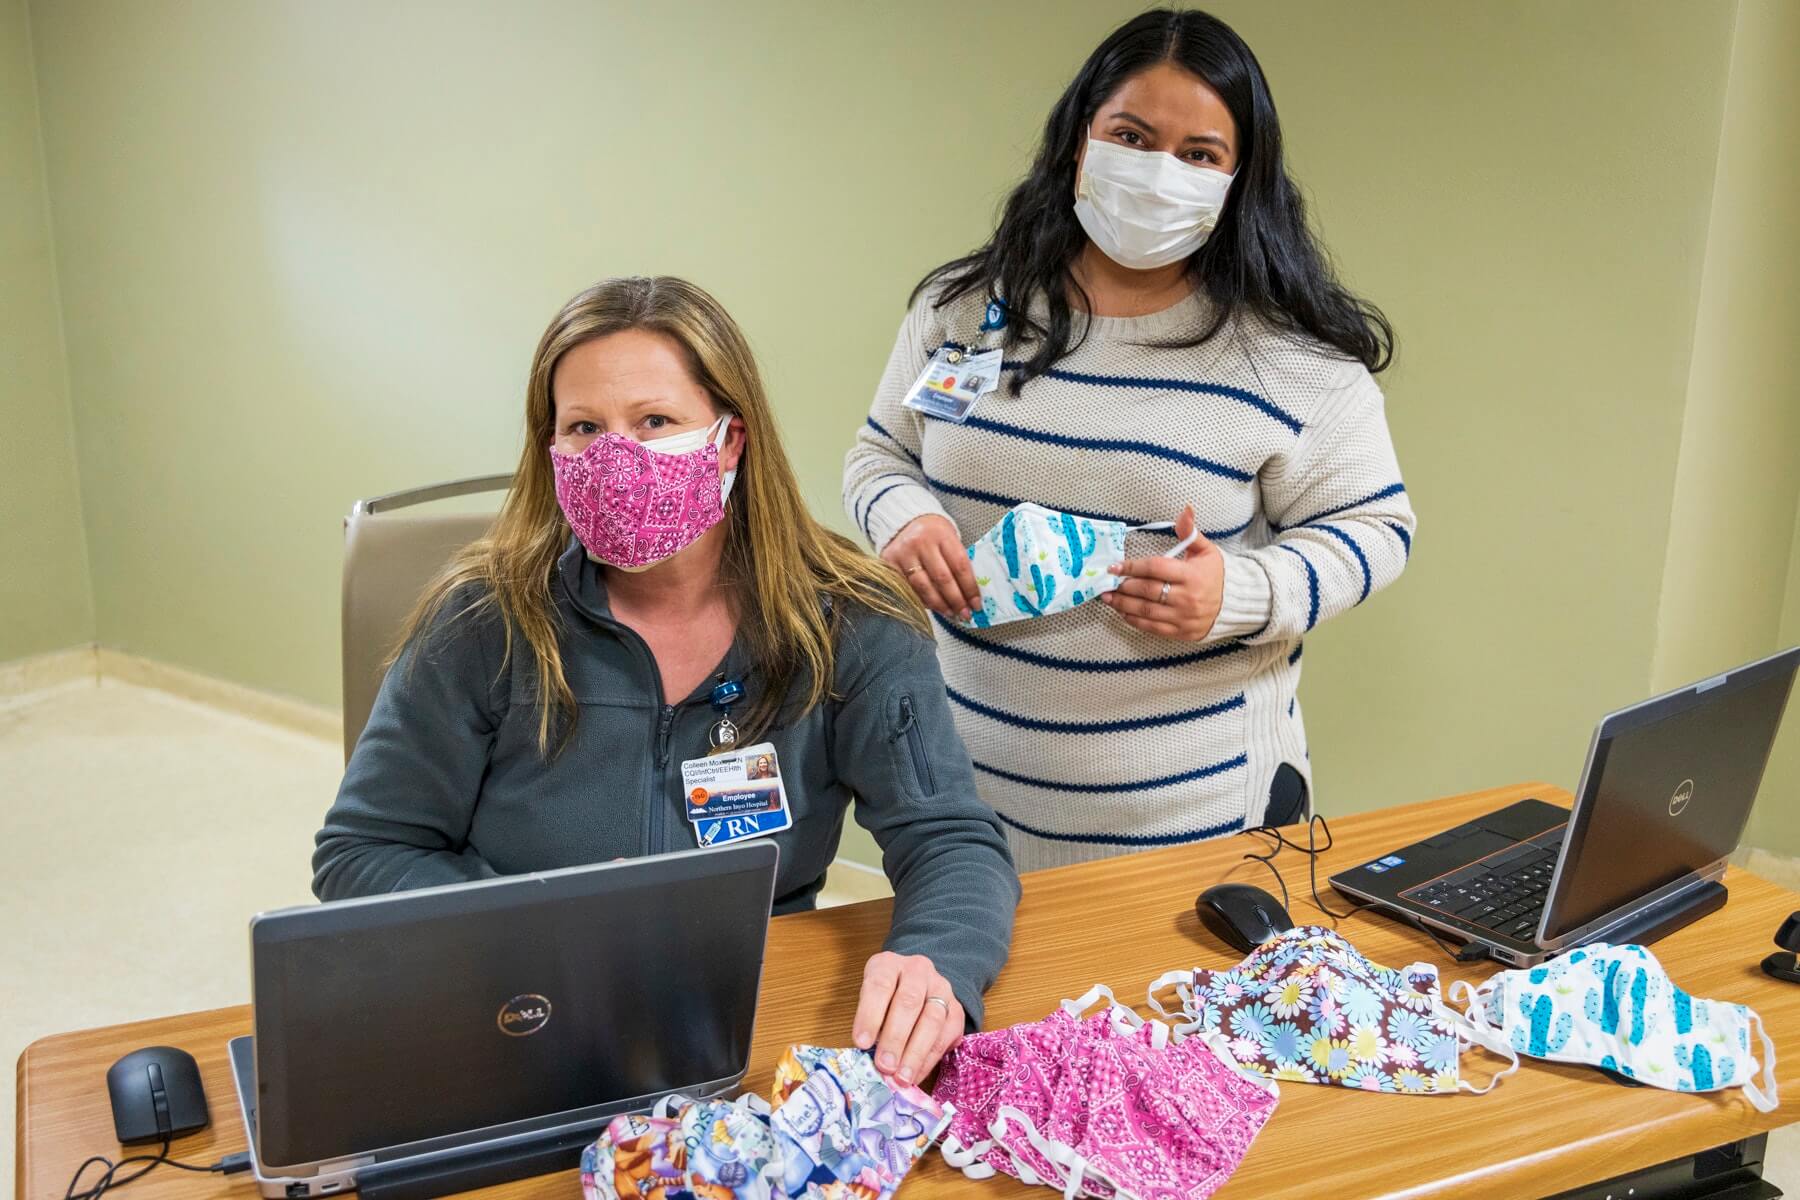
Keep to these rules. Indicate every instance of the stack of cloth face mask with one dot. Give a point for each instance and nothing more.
(837, 1130)
(1103, 1104)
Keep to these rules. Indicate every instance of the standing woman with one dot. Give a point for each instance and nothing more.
(1176, 348)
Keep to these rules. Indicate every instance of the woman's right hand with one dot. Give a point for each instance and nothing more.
(929, 552)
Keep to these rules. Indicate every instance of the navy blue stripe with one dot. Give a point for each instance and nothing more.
(1392, 489)
(1312, 586)
(1361, 559)
(1295, 656)
(1132, 786)
(1123, 725)
(1127, 839)
(876, 426)
(968, 493)
(1290, 709)
(869, 511)
(1405, 537)
(1172, 385)
(1094, 666)
(1120, 444)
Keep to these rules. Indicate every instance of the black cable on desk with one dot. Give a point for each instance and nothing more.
(231, 1164)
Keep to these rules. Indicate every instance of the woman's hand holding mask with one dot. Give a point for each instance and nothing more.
(1174, 597)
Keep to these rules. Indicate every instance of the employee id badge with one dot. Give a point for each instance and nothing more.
(736, 795)
(953, 381)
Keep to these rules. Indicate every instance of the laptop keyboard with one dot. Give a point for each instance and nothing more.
(1503, 892)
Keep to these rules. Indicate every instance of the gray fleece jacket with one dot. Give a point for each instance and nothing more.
(447, 784)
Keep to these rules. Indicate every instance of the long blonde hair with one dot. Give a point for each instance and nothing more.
(790, 575)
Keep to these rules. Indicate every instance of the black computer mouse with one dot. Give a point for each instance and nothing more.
(156, 1094)
(1242, 916)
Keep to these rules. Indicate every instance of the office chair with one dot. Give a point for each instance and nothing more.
(388, 560)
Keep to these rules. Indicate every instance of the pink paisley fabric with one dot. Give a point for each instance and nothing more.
(1104, 1105)
(632, 506)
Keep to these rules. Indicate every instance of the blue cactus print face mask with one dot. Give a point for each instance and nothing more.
(1038, 561)
(1615, 1007)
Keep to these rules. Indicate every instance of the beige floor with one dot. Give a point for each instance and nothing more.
(145, 829)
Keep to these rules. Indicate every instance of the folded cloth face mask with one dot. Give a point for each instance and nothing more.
(1615, 1007)
(839, 1130)
(1037, 561)
(1103, 1105)
(1144, 208)
(633, 504)
(1307, 1006)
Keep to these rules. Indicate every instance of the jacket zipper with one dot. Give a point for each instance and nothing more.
(909, 725)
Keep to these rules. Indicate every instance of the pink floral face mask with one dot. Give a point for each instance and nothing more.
(633, 504)
(1104, 1105)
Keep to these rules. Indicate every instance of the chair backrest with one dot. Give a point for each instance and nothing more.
(389, 557)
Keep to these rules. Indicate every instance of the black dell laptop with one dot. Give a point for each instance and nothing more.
(1662, 802)
(435, 1040)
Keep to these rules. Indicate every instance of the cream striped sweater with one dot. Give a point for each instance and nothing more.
(1089, 737)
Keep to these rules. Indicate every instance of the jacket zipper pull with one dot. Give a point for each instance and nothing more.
(662, 735)
(906, 720)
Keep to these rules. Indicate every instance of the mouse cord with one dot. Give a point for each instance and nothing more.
(231, 1164)
(1469, 952)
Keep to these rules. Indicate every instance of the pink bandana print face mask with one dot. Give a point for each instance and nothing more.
(1307, 1006)
(1104, 1105)
(633, 504)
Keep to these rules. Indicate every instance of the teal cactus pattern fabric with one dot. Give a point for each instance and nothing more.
(1038, 561)
(1616, 1008)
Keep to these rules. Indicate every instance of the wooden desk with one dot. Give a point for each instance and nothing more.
(1546, 1129)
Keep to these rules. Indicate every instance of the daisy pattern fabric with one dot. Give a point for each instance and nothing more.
(1307, 1006)
(1104, 1105)
(839, 1131)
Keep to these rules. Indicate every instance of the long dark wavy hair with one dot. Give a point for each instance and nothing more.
(1261, 258)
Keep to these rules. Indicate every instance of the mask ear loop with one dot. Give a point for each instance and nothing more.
(1765, 1098)
(727, 478)
(1175, 551)
(1472, 1028)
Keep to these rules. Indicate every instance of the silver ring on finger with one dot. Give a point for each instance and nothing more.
(914, 569)
(939, 1000)
(1163, 597)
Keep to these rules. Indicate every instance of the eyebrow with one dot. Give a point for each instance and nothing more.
(1209, 138)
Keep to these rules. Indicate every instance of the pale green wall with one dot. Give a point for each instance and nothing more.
(306, 248)
(1726, 572)
(1776, 821)
(45, 602)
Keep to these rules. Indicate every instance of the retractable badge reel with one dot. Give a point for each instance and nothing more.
(724, 734)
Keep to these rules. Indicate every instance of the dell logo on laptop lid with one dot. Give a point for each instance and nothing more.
(524, 1015)
(1683, 793)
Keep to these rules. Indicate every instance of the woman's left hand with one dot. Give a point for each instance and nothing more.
(1174, 597)
(908, 1013)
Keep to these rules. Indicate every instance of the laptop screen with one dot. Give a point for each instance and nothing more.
(412, 1017)
(1668, 790)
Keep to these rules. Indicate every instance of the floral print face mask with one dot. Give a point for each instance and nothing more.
(1307, 1006)
(838, 1130)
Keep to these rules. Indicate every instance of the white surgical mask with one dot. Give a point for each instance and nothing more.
(1145, 208)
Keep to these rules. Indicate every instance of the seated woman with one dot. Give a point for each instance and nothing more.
(556, 676)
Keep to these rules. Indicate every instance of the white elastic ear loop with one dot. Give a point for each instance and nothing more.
(668, 1105)
(1174, 551)
(1057, 1153)
(1179, 979)
(1473, 1028)
(1079, 1007)
(1764, 1098)
(726, 478)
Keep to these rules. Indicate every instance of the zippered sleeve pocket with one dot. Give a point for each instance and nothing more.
(915, 744)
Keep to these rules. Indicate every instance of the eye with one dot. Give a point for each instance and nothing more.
(584, 428)
(655, 421)
(1203, 156)
(1130, 137)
